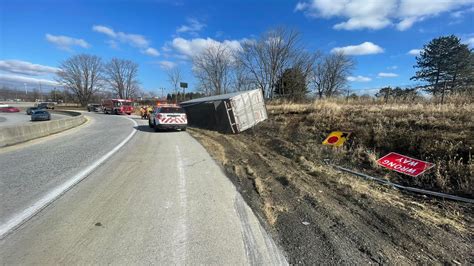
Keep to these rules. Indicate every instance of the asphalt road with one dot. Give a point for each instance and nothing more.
(31, 170)
(160, 199)
(11, 119)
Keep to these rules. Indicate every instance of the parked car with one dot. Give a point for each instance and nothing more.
(46, 105)
(30, 110)
(94, 107)
(168, 117)
(9, 109)
(40, 115)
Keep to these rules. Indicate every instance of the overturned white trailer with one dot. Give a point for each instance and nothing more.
(232, 112)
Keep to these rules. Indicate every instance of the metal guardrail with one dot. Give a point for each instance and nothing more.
(411, 189)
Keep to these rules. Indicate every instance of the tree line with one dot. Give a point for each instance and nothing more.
(86, 75)
(277, 62)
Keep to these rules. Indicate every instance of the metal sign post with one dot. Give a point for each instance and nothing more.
(183, 85)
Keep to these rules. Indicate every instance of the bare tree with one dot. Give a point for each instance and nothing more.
(330, 74)
(267, 58)
(212, 68)
(305, 62)
(242, 80)
(174, 77)
(121, 76)
(82, 74)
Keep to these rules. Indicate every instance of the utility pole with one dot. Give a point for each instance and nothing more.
(41, 91)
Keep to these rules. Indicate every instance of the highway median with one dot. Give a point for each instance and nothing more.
(11, 135)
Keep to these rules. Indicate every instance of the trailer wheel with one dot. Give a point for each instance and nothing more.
(183, 129)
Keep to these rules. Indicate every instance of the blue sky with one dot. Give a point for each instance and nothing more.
(36, 35)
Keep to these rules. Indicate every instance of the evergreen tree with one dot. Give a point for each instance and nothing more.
(291, 85)
(444, 63)
(385, 93)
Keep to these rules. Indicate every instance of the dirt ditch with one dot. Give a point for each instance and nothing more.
(322, 216)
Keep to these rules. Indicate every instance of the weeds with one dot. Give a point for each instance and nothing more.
(441, 134)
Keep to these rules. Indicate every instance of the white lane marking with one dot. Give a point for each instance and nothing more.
(180, 234)
(20, 218)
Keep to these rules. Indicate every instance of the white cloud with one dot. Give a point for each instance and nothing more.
(167, 64)
(358, 78)
(470, 42)
(461, 13)
(151, 52)
(193, 26)
(414, 52)
(361, 49)
(359, 23)
(26, 68)
(105, 30)
(378, 14)
(192, 47)
(21, 79)
(65, 42)
(392, 67)
(387, 75)
(301, 6)
(135, 40)
(132, 39)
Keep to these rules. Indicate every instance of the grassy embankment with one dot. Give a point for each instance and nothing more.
(441, 134)
(280, 168)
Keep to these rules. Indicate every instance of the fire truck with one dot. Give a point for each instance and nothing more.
(117, 106)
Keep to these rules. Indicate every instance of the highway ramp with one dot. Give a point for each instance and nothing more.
(160, 199)
(31, 170)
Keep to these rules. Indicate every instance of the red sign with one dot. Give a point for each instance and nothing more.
(404, 164)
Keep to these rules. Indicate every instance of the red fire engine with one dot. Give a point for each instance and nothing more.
(117, 106)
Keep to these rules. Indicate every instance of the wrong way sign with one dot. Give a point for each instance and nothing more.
(404, 164)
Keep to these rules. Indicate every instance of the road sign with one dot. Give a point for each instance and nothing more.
(336, 138)
(183, 85)
(404, 164)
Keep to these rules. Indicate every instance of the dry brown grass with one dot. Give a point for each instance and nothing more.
(442, 134)
(280, 168)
